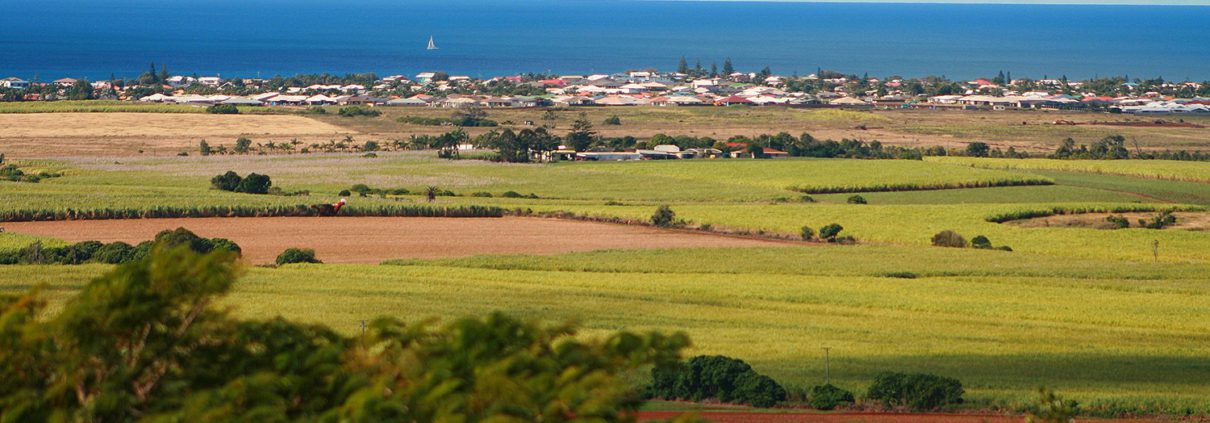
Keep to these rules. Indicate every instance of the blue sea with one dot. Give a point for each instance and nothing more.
(94, 39)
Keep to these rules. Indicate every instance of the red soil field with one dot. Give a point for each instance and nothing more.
(374, 239)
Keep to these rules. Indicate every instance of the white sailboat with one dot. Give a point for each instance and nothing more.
(432, 45)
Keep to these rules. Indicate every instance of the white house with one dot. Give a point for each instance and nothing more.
(15, 83)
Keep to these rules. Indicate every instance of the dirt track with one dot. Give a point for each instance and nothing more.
(374, 239)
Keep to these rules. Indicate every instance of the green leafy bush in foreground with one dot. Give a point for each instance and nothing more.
(116, 252)
(716, 377)
(147, 342)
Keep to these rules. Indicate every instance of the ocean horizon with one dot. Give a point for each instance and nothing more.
(50, 39)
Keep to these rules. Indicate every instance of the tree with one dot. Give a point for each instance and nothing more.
(682, 67)
(226, 182)
(163, 78)
(449, 143)
(981, 242)
(254, 184)
(948, 238)
(920, 392)
(827, 397)
(149, 340)
(80, 90)
(807, 233)
(728, 69)
(296, 255)
(830, 232)
(581, 135)
(716, 377)
(204, 148)
(613, 120)
(664, 217)
(977, 149)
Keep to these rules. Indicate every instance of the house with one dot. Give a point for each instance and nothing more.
(608, 156)
(425, 77)
(14, 83)
(319, 100)
(158, 98)
(242, 101)
(287, 100)
(66, 82)
(766, 152)
(732, 101)
(698, 153)
(179, 81)
(210, 81)
(409, 102)
(849, 102)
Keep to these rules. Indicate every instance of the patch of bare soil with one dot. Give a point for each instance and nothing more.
(1190, 221)
(374, 239)
(75, 134)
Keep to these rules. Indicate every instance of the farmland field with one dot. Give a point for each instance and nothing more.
(1113, 334)
(1116, 319)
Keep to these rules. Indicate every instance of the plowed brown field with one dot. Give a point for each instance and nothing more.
(374, 239)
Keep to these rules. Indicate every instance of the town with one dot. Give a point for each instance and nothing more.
(685, 87)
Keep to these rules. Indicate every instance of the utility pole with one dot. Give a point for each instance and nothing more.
(827, 366)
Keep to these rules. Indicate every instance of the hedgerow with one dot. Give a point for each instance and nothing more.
(248, 211)
(1061, 210)
(923, 187)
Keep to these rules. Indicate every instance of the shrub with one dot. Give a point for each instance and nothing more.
(1051, 408)
(114, 253)
(981, 242)
(482, 194)
(254, 184)
(807, 233)
(1118, 222)
(807, 199)
(1159, 221)
(512, 194)
(613, 120)
(344, 193)
(827, 397)
(242, 144)
(830, 232)
(354, 111)
(371, 146)
(919, 391)
(226, 182)
(664, 217)
(319, 110)
(223, 109)
(297, 255)
(716, 377)
(901, 275)
(856, 199)
(948, 238)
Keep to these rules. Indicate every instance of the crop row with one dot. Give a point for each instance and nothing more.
(1054, 211)
(247, 211)
(923, 187)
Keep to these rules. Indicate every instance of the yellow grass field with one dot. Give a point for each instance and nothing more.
(59, 134)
